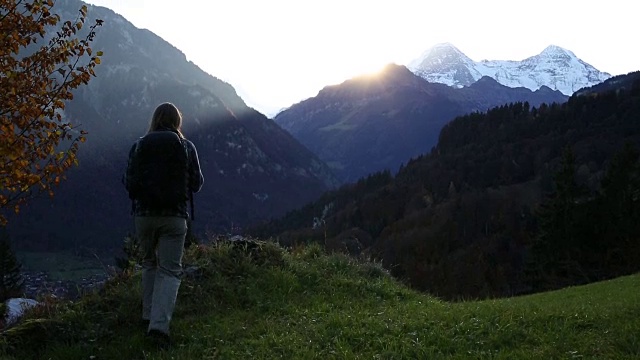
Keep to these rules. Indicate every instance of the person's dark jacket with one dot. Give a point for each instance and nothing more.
(195, 181)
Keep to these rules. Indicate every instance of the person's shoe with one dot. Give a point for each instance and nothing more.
(163, 340)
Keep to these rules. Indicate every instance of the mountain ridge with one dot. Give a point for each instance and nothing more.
(554, 67)
(375, 122)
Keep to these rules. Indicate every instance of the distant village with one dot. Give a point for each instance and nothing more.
(38, 284)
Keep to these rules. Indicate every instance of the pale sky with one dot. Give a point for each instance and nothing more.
(276, 53)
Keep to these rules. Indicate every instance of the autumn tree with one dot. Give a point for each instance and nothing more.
(42, 59)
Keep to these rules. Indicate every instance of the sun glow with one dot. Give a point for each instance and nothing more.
(279, 52)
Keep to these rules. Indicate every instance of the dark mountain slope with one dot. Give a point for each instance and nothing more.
(378, 122)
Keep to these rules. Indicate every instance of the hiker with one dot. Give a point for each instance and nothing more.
(163, 172)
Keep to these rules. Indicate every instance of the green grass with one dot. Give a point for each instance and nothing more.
(271, 304)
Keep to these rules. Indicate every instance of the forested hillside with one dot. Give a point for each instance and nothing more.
(515, 200)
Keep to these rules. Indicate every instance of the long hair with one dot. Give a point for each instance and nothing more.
(166, 116)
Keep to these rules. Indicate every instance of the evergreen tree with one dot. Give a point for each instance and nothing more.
(557, 250)
(619, 208)
(557, 214)
(622, 181)
(11, 280)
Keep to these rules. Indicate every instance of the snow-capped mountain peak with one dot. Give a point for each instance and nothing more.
(556, 51)
(444, 63)
(555, 67)
(440, 53)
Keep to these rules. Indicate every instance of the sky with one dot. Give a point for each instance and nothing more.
(276, 53)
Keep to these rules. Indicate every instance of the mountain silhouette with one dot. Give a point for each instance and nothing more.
(377, 122)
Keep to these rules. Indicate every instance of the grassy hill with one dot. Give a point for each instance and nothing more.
(267, 303)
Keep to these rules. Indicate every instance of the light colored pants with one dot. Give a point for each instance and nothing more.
(162, 243)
